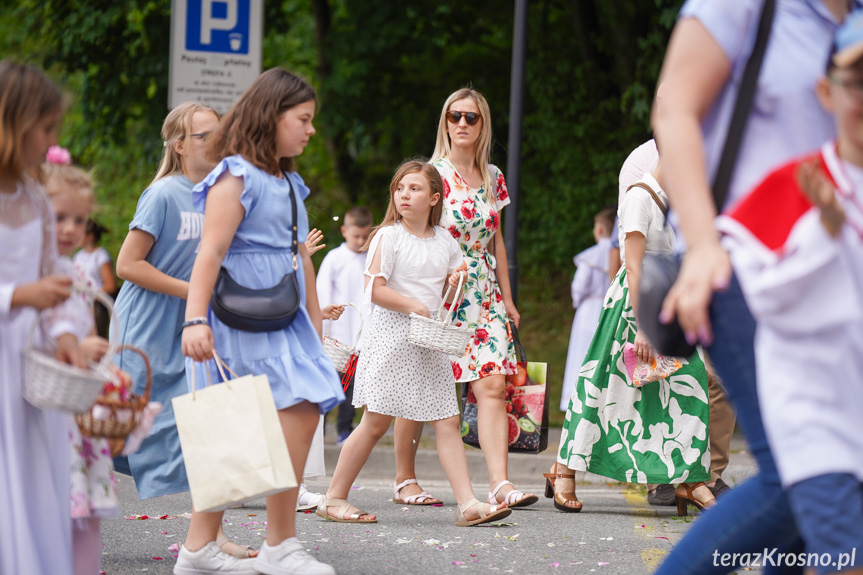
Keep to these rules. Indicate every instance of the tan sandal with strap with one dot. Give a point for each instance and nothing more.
(561, 499)
(343, 507)
(424, 498)
(514, 498)
(235, 549)
(486, 512)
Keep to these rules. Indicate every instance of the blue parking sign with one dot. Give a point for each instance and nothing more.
(218, 26)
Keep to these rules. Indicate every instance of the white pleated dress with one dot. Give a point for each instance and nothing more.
(36, 536)
(395, 377)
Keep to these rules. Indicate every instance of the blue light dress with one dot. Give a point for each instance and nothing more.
(259, 257)
(153, 322)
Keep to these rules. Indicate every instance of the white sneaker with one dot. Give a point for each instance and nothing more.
(307, 500)
(211, 560)
(289, 558)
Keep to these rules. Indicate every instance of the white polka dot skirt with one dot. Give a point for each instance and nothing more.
(395, 377)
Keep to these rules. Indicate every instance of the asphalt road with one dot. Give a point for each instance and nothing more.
(617, 533)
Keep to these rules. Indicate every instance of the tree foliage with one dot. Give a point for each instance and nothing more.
(383, 71)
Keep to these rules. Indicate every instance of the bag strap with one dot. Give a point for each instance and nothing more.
(662, 207)
(742, 107)
(294, 245)
(519, 349)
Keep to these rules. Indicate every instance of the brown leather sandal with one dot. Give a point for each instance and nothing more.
(561, 499)
(684, 494)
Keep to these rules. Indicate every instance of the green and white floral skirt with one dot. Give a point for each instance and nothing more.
(654, 434)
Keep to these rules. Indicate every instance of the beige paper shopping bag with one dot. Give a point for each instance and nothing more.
(233, 445)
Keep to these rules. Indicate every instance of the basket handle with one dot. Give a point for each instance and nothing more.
(359, 331)
(102, 298)
(149, 383)
(454, 307)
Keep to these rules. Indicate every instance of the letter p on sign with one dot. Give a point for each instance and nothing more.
(209, 22)
(218, 25)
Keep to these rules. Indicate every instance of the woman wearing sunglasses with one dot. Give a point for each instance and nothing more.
(474, 194)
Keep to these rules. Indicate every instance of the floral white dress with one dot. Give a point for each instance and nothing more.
(93, 485)
(472, 221)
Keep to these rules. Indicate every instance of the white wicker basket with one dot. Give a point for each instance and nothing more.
(340, 352)
(439, 334)
(52, 384)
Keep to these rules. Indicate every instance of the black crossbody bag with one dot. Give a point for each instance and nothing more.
(261, 310)
(659, 272)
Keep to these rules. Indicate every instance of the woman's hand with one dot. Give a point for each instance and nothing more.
(512, 312)
(312, 240)
(94, 348)
(706, 268)
(643, 350)
(68, 351)
(332, 311)
(198, 342)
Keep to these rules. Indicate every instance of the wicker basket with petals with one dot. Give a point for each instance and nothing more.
(54, 385)
(115, 419)
(341, 352)
(439, 334)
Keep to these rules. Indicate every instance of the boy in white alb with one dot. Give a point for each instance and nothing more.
(340, 281)
(797, 246)
(588, 288)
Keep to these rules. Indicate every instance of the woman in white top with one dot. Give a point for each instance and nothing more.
(651, 434)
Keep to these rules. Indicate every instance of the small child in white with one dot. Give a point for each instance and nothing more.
(93, 485)
(409, 259)
(340, 280)
(797, 247)
(588, 288)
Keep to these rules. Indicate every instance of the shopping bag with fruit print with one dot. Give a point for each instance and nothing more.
(526, 406)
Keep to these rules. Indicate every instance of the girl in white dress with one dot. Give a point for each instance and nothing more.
(409, 259)
(94, 488)
(34, 452)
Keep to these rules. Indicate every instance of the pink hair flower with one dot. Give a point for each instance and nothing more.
(58, 155)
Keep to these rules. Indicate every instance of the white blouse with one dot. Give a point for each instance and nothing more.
(414, 267)
(639, 213)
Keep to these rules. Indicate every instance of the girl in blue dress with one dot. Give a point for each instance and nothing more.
(156, 261)
(246, 201)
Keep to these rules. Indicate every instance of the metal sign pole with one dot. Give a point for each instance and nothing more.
(513, 176)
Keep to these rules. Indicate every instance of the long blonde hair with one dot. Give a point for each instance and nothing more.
(178, 124)
(435, 187)
(482, 154)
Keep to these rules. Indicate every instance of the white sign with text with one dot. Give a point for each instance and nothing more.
(215, 50)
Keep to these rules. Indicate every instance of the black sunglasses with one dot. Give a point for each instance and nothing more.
(455, 117)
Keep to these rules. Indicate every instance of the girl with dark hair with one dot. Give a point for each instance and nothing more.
(247, 203)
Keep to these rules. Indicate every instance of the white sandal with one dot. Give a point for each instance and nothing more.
(514, 498)
(424, 498)
(486, 512)
(306, 500)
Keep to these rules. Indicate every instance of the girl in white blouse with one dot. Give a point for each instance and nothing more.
(409, 259)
